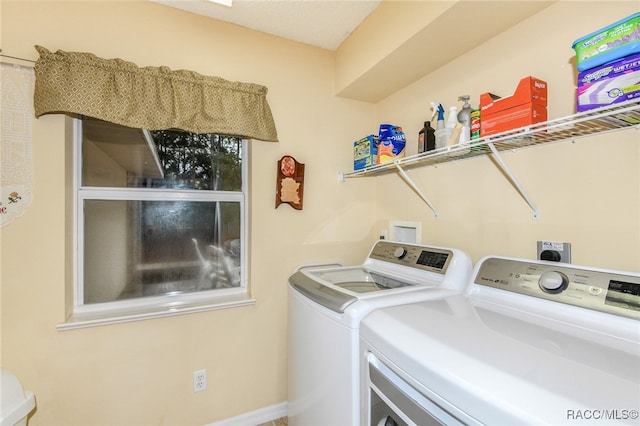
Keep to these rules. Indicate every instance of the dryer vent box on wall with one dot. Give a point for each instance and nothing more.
(554, 252)
(405, 232)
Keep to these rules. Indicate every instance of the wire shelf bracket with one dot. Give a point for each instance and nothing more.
(505, 168)
(413, 186)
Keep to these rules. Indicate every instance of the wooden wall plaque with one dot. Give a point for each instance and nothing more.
(290, 182)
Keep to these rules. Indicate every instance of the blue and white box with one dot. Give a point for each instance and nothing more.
(365, 151)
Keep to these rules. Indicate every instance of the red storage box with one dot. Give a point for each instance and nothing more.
(527, 105)
(512, 118)
(529, 90)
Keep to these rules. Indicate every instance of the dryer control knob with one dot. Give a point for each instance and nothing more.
(400, 252)
(553, 282)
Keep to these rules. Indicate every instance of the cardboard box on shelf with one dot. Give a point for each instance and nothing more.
(512, 118)
(365, 152)
(530, 90)
(613, 82)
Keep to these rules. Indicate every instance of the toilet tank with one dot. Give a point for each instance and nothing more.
(15, 402)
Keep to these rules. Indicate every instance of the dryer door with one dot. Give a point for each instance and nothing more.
(392, 401)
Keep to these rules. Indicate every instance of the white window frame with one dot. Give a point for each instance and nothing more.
(95, 314)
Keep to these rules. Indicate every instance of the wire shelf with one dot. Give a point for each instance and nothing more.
(589, 123)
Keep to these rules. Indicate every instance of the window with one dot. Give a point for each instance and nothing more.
(160, 220)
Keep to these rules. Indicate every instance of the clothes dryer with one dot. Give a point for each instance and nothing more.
(529, 342)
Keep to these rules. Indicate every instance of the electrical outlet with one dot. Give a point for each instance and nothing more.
(554, 252)
(199, 380)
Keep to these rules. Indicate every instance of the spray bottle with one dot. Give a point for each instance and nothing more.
(438, 109)
(442, 133)
(464, 116)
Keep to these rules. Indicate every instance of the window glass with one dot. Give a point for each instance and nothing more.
(160, 213)
(124, 157)
(147, 248)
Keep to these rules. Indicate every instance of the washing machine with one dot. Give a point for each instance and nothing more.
(528, 342)
(325, 307)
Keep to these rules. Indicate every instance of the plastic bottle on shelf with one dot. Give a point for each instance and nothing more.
(429, 137)
(464, 116)
(441, 133)
(421, 137)
(450, 129)
(452, 119)
(438, 109)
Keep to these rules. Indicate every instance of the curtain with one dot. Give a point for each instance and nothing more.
(153, 98)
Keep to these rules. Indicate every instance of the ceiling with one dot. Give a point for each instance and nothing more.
(321, 23)
(327, 23)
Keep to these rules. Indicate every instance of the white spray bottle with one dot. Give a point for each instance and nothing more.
(441, 133)
(438, 109)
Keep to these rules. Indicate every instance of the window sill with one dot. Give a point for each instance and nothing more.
(123, 315)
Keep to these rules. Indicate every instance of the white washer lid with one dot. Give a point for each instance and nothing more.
(501, 366)
(15, 403)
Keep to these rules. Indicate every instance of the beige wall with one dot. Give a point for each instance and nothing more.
(140, 373)
(587, 193)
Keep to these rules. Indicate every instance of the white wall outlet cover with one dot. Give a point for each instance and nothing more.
(199, 380)
(406, 232)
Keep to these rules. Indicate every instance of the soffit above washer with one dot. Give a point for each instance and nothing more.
(371, 64)
(320, 23)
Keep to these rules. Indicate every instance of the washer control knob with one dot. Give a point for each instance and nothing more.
(553, 282)
(400, 252)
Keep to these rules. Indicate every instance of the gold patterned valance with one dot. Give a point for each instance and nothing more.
(153, 98)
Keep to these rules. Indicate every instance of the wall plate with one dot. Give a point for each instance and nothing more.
(554, 252)
(405, 232)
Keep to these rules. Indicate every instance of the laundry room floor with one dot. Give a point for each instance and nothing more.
(277, 422)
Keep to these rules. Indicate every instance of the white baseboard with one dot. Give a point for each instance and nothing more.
(253, 418)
